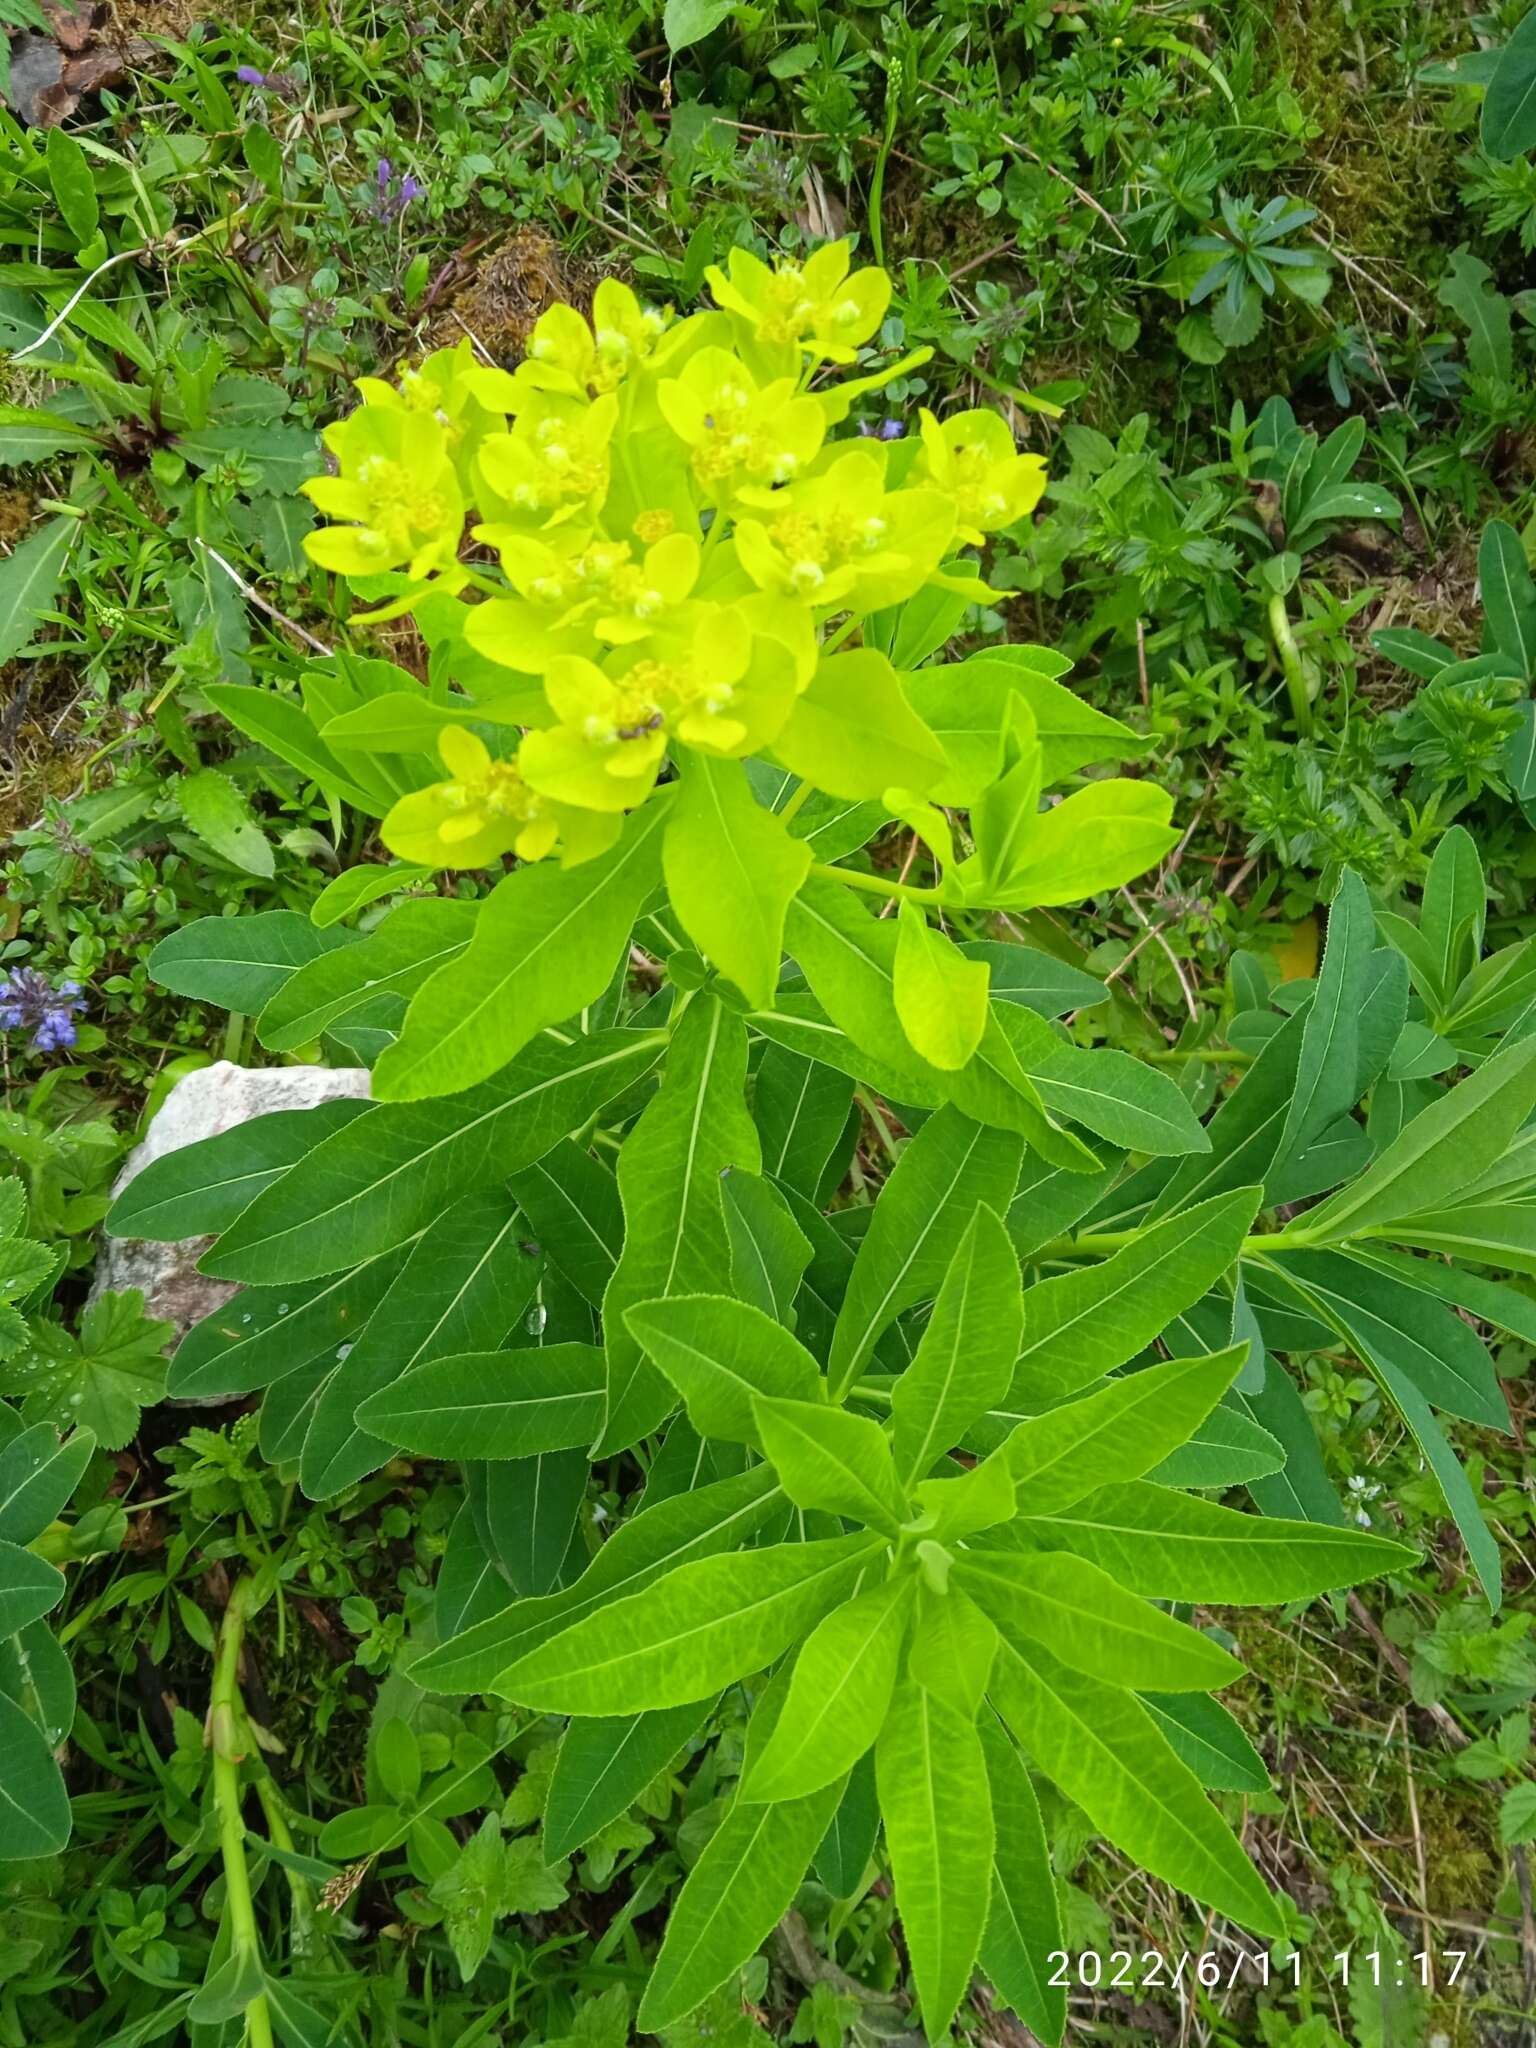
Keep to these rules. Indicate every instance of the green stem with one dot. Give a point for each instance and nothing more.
(228, 1737)
(877, 180)
(883, 1130)
(1292, 665)
(835, 640)
(1206, 1055)
(875, 885)
(1103, 1244)
(796, 802)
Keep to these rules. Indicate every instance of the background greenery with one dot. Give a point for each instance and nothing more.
(1046, 184)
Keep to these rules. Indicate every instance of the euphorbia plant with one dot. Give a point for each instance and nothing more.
(918, 1508)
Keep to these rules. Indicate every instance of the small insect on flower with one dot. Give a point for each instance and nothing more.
(29, 1002)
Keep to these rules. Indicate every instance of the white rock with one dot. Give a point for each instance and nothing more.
(201, 1105)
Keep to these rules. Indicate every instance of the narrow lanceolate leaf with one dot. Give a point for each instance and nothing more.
(1460, 1497)
(732, 869)
(1445, 1148)
(692, 1633)
(1453, 914)
(1503, 573)
(830, 1459)
(844, 1851)
(1246, 1130)
(953, 1644)
(705, 1522)
(603, 1767)
(735, 1895)
(1118, 1433)
(372, 1185)
(395, 958)
(461, 1289)
(546, 944)
(1329, 1058)
(848, 955)
(493, 1404)
(1091, 1623)
(838, 1695)
(571, 1201)
(34, 1806)
(1081, 1325)
(1390, 1321)
(801, 1109)
(1175, 1546)
(1101, 1747)
(693, 1130)
(202, 1188)
(769, 1250)
(1023, 1932)
(950, 1168)
(938, 1826)
(965, 1358)
(719, 1354)
(29, 582)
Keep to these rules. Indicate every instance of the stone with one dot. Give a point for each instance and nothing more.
(201, 1105)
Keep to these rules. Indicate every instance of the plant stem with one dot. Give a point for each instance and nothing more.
(874, 885)
(1103, 1244)
(795, 803)
(883, 1130)
(226, 1732)
(1207, 1055)
(1291, 662)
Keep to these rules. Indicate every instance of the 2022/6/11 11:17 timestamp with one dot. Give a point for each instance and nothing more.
(1225, 1969)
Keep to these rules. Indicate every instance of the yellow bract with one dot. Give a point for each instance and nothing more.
(655, 530)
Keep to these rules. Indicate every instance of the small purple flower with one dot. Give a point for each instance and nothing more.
(390, 200)
(283, 83)
(28, 1002)
(888, 430)
(249, 75)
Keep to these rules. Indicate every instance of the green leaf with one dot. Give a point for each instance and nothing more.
(546, 944)
(38, 1474)
(240, 963)
(1176, 1546)
(605, 1765)
(493, 1404)
(29, 1587)
(945, 1172)
(693, 1130)
(1468, 289)
(1023, 1933)
(1205, 1736)
(965, 702)
(964, 1362)
(1509, 107)
(705, 1522)
(1388, 1320)
(1113, 1094)
(1090, 1623)
(732, 870)
(838, 1695)
(1097, 838)
(952, 1646)
(355, 888)
(853, 734)
(29, 582)
(374, 1183)
(1118, 1433)
(1102, 1748)
(801, 1110)
(828, 1458)
(940, 996)
(1228, 1449)
(1503, 573)
(74, 188)
(849, 958)
(1048, 986)
(694, 1632)
(1329, 1056)
(572, 1204)
(1443, 1149)
(720, 1354)
(279, 723)
(1453, 912)
(267, 1332)
(735, 1895)
(934, 1794)
(407, 945)
(1081, 1325)
(34, 1806)
(1463, 1502)
(769, 1250)
(204, 1187)
(222, 818)
(684, 23)
(527, 1510)
(101, 1379)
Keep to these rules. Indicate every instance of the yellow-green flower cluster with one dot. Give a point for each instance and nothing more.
(674, 527)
